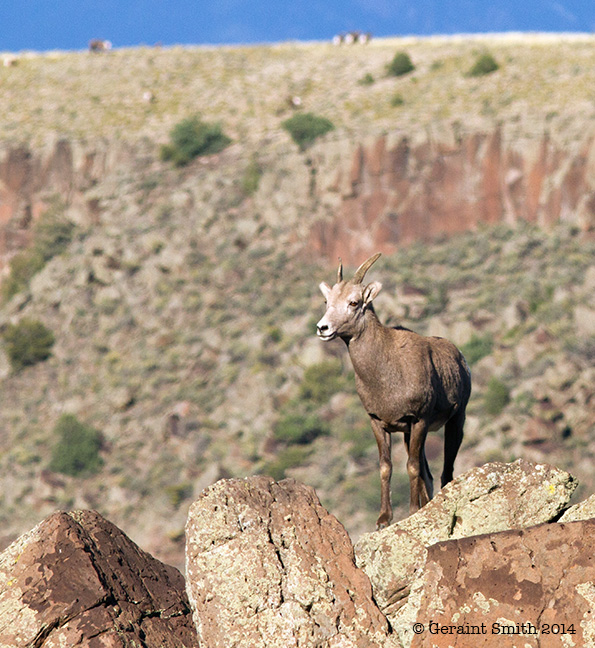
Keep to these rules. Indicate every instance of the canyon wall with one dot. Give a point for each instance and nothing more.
(359, 197)
(396, 192)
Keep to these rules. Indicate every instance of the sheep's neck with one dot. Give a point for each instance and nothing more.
(361, 345)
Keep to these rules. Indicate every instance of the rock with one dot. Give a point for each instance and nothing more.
(584, 510)
(267, 565)
(522, 581)
(494, 497)
(396, 192)
(584, 319)
(76, 579)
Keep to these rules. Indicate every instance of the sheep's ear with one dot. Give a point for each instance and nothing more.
(325, 289)
(370, 292)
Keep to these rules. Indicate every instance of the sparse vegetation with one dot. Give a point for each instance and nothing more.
(497, 396)
(321, 381)
(306, 128)
(191, 138)
(477, 348)
(484, 64)
(397, 100)
(51, 235)
(400, 65)
(299, 426)
(211, 296)
(251, 177)
(27, 343)
(76, 452)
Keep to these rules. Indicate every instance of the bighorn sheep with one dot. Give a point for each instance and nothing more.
(406, 382)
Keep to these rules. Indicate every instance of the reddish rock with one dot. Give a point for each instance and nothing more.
(267, 566)
(529, 588)
(405, 193)
(76, 579)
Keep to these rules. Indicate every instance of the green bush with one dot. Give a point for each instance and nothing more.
(321, 381)
(251, 177)
(484, 64)
(287, 458)
(400, 65)
(76, 452)
(366, 80)
(477, 348)
(397, 100)
(27, 343)
(192, 137)
(305, 128)
(496, 397)
(300, 428)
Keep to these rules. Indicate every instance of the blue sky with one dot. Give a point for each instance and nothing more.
(70, 24)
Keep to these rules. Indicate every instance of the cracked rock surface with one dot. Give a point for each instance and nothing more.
(541, 578)
(494, 497)
(268, 566)
(77, 580)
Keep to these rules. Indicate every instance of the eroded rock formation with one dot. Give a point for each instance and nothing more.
(396, 191)
(77, 580)
(494, 497)
(535, 587)
(267, 566)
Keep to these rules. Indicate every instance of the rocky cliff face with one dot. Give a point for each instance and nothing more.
(267, 565)
(360, 197)
(64, 170)
(395, 191)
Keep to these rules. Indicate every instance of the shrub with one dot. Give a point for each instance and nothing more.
(497, 396)
(477, 348)
(251, 177)
(305, 128)
(366, 80)
(76, 452)
(397, 100)
(400, 65)
(27, 343)
(288, 458)
(321, 381)
(192, 137)
(484, 64)
(300, 428)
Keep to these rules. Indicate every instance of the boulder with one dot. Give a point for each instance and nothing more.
(584, 510)
(530, 588)
(494, 497)
(268, 566)
(76, 579)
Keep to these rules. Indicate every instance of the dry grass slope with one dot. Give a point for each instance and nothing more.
(544, 81)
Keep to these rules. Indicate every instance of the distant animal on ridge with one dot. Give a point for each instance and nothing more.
(407, 383)
(97, 45)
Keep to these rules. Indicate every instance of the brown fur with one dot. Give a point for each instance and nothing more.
(407, 383)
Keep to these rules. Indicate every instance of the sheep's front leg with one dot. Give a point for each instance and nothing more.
(383, 440)
(418, 490)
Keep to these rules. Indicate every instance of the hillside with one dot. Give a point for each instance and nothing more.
(184, 305)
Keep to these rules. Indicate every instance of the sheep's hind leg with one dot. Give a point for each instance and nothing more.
(417, 475)
(453, 436)
(426, 479)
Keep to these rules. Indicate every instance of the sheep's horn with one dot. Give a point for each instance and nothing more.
(360, 273)
(340, 271)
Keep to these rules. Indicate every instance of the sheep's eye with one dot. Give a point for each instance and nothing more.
(353, 304)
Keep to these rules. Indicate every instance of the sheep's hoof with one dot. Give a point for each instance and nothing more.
(382, 522)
